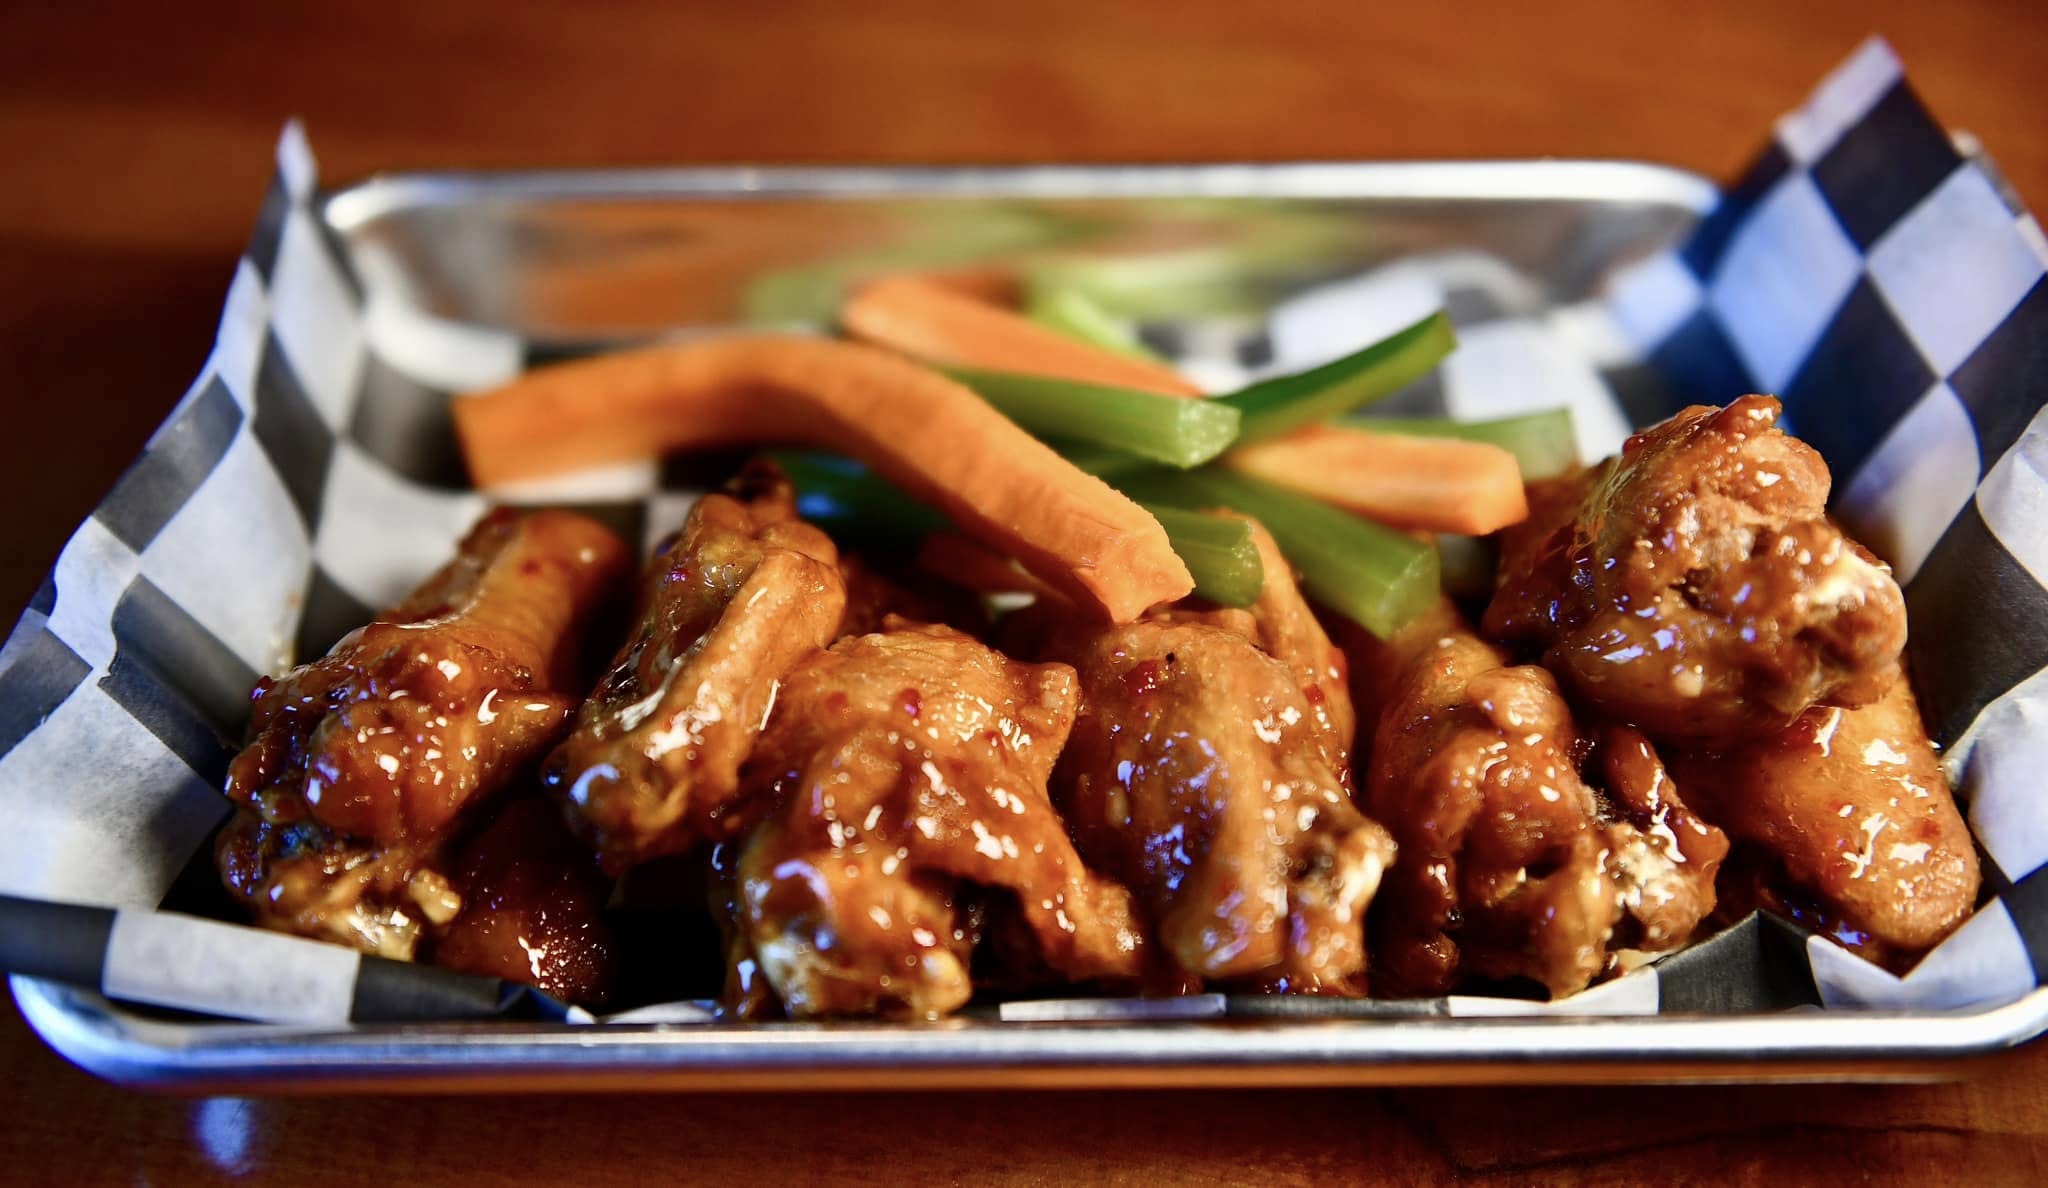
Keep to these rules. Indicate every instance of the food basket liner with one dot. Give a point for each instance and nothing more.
(1886, 285)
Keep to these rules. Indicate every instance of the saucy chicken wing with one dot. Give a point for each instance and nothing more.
(1855, 822)
(1511, 864)
(1208, 771)
(361, 764)
(532, 907)
(743, 593)
(1695, 587)
(908, 773)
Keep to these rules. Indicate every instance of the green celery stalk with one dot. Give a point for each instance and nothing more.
(1219, 552)
(1167, 429)
(1373, 575)
(1237, 256)
(844, 498)
(1543, 443)
(1078, 316)
(1288, 402)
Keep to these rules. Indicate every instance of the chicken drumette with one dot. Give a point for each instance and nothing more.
(1695, 587)
(907, 770)
(746, 590)
(362, 765)
(1208, 770)
(1511, 864)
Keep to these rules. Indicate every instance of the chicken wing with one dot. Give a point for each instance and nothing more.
(1511, 864)
(1697, 589)
(532, 907)
(361, 764)
(1852, 811)
(1208, 771)
(743, 593)
(908, 770)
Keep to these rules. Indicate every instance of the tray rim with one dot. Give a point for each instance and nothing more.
(351, 207)
(1800, 1045)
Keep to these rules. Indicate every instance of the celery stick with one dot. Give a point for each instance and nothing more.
(1078, 316)
(844, 498)
(1168, 429)
(1275, 406)
(1218, 551)
(1543, 443)
(1370, 574)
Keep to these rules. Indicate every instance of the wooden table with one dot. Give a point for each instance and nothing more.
(138, 139)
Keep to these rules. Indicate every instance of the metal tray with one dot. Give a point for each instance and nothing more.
(573, 259)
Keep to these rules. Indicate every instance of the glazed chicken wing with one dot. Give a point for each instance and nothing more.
(746, 590)
(361, 764)
(1208, 771)
(1695, 587)
(1853, 815)
(908, 773)
(1510, 863)
(532, 907)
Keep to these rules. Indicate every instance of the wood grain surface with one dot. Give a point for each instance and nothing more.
(137, 139)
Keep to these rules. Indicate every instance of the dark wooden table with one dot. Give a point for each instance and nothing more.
(138, 144)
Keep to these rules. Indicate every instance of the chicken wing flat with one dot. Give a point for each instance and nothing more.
(743, 593)
(1209, 773)
(908, 769)
(361, 764)
(1510, 863)
(1697, 589)
(1855, 817)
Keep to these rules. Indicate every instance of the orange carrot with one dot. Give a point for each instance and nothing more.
(1440, 484)
(930, 436)
(939, 325)
(972, 565)
(989, 284)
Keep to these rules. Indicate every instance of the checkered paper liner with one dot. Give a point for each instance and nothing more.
(1886, 286)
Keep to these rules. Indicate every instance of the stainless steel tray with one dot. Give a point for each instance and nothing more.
(581, 258)
(1794, 1046)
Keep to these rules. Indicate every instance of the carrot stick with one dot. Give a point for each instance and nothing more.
(931, 437)
(1441, 484)
(989, 284)
(938, 325)
(972, 565)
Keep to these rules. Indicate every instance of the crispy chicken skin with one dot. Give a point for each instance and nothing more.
(746, 590)
(1510, 863)
(532, 907)
(908, 772)
(1697, 589)
(1855, 816)
(1208, 771)
(361, 764)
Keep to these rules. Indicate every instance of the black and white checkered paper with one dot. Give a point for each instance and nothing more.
(1884, 284)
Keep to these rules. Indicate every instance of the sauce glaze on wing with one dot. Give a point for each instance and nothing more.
(1209, 771)
(1854, 812)
(907, 770)
(652, 765)
(533, 907)
(1695, 586)
(1511, 863)
(362, 764)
